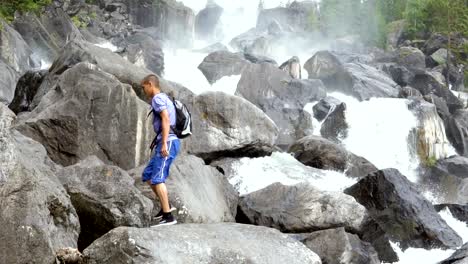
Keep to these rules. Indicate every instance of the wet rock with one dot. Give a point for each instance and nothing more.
(26, 90)
(402, 212)
(338, 246)
(281, 98)
(194, 243)
(229, 126)
(323, 154)
(89, 112)
(8, 79)
(104, 198)
(13, 49)
(36, 214)
(302, 208)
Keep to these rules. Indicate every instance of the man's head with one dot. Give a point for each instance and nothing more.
(151, 85)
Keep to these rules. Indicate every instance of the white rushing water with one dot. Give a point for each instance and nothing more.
(252, 174)
(378, 128)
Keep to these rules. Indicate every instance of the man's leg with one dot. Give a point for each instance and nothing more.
(161, 191)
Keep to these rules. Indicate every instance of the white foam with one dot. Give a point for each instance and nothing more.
(252, 174)
(107, 45)
(379, 130)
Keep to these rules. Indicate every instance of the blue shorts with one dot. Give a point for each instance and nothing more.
(157, 169)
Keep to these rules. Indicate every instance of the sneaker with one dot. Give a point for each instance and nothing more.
(159, 216)
(168, 220)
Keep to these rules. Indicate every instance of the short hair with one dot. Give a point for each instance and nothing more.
(151, 79)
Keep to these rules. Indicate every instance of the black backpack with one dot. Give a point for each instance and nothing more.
(183, 126)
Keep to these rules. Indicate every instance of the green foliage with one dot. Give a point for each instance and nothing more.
(8, 7)
(78, 23)
(430, 161)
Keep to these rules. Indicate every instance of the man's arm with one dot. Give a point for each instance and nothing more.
(165, 125)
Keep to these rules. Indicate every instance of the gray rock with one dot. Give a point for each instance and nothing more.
(338, 246)
(402, 212)
(8, 80)
(323, 65)
(426, 83)
(295, 17)
(104, 198)
(434, 43)
(145, 52)
(195, 243)
(411, 58)
(332, 112)
(254, 41)
(400, 74)
(409, 92)
(321, 153)
(207, 22)
(222, 63)
(89, 112)
(36, 214)
(199, 192)
(440, 56)
(26, 90)
(46, 34)
(175, 22)
(281, 98)
(458, 211)
(355, 79)
(226, 125)
(13, 49)
(459, 257)
(302, 208)
(292, 67)
(446, 180)
(374, 234)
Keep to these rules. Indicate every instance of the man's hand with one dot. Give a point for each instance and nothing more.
(164, 151)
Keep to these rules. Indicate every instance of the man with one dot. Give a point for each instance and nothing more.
(166, 145)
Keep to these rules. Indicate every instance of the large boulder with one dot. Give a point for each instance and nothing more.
(227, 125)
(144, 51)
(199, 192)
(26, 90)
(402, 212)
(222, 63)
(461, 117)
(13, 48)
(400, 74)
(380, 241)
(8, 80)
(296, 17)
(282, 98)
(89, 112)
(459, 257)
(254, 41)
(427, 83)
(353, 78)
(36, 215)
(301, 208)
(434, 43)
(332, 113)
(338, 246)
(207, 22)
(411, 58)
(447, 180)
(174, 21)
(323, 154)
(46, 33)
(104, 197)
(195, 243)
